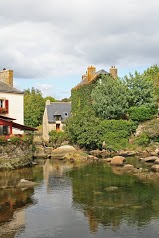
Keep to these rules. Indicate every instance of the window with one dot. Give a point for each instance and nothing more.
(1, 103)
(66, 114)
(58, 118)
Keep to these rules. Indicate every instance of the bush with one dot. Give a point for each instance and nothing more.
(56, 138)
(142, 140)
(141, 113)
(15, 139)
(3, 139)
(116, 133)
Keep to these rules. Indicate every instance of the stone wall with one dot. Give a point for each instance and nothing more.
(14, 156)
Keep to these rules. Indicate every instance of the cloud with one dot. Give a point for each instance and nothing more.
(44, 39)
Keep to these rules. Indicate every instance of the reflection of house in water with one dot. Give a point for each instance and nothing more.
(53, 175)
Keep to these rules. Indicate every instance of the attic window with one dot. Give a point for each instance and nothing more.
(66, 114)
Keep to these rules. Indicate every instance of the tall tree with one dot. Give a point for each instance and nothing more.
(153, 74)
(34, 105)
(109, 98)
(140, 90)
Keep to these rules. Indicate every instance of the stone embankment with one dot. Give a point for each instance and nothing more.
(13, 156)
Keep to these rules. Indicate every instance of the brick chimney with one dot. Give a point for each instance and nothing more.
(91, 71)
(114, 72)
(6, 76)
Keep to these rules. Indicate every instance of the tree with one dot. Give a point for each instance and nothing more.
(140, 90)
(51, 99)
(82, 129)
(34, 105)
(153, 74)
(109, 98)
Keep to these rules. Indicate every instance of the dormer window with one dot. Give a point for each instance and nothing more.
(66, 114)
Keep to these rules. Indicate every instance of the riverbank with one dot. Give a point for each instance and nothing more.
(14, 156)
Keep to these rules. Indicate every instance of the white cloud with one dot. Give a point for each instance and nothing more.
(43, 39)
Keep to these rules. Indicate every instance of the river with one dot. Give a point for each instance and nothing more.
(88, 201)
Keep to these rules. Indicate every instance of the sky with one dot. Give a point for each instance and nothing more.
(50, 43)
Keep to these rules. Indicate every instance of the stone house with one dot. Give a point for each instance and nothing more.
(11, 106)
(55, 115)
(81, 93)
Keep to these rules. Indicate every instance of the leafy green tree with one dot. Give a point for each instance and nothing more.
(51, 99)
(109, 98)
(34, 105)
(153, 74)
(82, 129)
(140, 90)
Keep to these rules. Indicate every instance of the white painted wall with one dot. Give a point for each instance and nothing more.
(16, 108)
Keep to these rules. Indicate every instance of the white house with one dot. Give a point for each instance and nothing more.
(11, 106)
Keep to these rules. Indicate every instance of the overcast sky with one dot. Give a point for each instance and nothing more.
(50, 43)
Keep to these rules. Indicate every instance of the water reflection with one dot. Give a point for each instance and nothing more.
(86, 201)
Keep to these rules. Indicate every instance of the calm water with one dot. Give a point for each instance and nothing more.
(74, 202)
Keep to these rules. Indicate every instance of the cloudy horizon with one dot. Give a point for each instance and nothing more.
(49, 44)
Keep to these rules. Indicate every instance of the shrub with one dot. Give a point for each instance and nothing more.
(15, 139)
(56, 138)
(142, 140)
(3, 139)
(141, 113)
(116, 133)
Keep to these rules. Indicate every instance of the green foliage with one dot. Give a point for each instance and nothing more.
(83, 129)
(142, 140)
(65, 99)
(116, 133)
(141, 113)
(140, 90)
(81, 97)
(56, 138)
(51, 99)
(15, 139)
(153, 74)
(3, 139)
(110, 98)
(34, 105)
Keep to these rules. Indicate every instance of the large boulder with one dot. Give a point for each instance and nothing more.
(61, 151)
(117, 161)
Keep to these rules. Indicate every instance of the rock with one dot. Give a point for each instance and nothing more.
(117, 161)
(40, 152)
(127, 153)
(95, 152)
(107, 160)
(92, 158)
(75, 157)
(26, 183)
(61, 151)
(128, 167)
(149, 159)
(157, 161)
(155, 168)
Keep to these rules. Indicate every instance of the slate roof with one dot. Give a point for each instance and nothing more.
(5, 88)
(98, 73)
(58, 109)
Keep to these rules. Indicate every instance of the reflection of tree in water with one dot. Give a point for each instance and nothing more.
(11, 200)
(111, 199)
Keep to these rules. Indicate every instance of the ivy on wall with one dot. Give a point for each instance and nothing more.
(81, 95)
